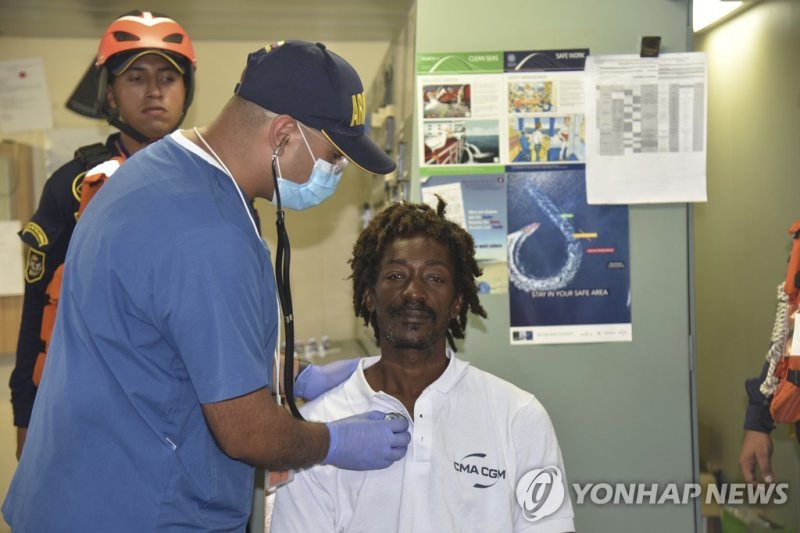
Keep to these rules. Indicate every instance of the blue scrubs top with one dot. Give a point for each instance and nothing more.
(168, 302)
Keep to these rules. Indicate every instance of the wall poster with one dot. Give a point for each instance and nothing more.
(647, 128)
(568, 261)
(502, 138)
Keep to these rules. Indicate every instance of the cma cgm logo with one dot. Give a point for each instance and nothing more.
(540, 493)
(474, 464)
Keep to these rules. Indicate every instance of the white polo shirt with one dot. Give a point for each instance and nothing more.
(473, 437)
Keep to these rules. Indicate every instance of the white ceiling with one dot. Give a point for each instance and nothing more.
(229, 20)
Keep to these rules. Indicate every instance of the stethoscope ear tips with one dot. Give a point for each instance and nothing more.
(278, 148)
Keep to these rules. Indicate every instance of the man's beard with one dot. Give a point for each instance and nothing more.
(402, 342)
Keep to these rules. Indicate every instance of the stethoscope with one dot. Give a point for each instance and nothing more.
(283, 256)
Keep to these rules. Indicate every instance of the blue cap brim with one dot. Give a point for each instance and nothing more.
(362, 152)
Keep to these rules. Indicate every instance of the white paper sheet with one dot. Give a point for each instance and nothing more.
(646, 129)
(10, 259)
(24, 103)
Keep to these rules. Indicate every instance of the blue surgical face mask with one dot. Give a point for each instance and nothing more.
(321, 184)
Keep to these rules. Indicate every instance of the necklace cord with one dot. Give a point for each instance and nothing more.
(282, 282)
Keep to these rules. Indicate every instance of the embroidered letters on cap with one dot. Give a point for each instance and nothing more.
(359, 110)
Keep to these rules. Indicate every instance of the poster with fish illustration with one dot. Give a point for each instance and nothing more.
(568, 262)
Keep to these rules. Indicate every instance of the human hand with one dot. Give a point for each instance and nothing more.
(367, 441)
(756, 450)
(316, 379)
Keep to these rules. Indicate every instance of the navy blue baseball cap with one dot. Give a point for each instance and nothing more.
(318, 88)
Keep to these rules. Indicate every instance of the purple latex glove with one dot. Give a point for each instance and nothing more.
(367, 441)
(313, 380)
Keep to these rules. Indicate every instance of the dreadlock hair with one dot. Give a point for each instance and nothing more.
(402, 220)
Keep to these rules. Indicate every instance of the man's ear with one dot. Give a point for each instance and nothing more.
(458, 303)
(280, 130)
(369, 300)
(110, 99)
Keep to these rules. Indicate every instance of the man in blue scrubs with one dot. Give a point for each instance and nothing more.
(154, 407)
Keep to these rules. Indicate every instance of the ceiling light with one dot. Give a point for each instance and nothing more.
(708, 12)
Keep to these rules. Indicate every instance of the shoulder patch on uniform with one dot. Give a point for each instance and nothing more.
(76, 186)
(38, 233)
(35, 268)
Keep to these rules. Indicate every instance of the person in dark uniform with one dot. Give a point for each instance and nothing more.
(756, 449)
(142, 82)
(762, 391)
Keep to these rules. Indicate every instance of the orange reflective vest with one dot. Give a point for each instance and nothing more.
(94, 179)
(785, 404)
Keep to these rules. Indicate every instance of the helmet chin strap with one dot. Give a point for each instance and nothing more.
(129, 130)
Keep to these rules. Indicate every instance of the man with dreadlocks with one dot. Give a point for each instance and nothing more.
(477, 441)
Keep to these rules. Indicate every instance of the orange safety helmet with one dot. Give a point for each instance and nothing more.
(129, 37)
(143, 30)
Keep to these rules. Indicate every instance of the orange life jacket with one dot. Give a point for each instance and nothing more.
(785, 404)
(94, 179)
